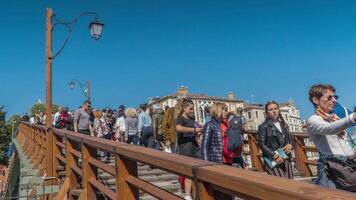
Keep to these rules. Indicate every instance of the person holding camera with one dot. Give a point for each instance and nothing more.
(327, 131)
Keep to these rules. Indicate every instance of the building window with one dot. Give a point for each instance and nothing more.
(249, 115)
(256, 114)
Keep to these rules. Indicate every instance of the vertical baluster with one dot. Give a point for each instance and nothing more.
(88, 171)
(69, 173)
(301, 157)
(125, 168)
(254, 152)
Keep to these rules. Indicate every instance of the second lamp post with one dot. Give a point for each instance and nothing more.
(85, 87)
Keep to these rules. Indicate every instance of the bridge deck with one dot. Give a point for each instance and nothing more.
(140, 173)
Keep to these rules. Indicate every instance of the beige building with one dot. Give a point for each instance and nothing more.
(253, 113)
(200, 102)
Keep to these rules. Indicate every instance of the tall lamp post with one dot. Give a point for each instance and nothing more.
(85, 87)
(95, 31)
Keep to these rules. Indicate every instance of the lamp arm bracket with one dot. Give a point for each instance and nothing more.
(69, 26)
(81, 86)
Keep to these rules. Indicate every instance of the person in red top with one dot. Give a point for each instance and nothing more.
(229, 156)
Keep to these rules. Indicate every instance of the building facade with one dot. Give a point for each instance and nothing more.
(201, 101)
(255, 115)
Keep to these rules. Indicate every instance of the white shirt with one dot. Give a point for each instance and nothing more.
(120, 124)
(278, 125)
(325, 135)
(56, 118)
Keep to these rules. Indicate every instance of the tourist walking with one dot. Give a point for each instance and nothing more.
(186, 133)
(81, 120)
(145, 127)
(119, 126)
(327, 131)
(212, 141)
(156, 125)
(56, 118)
(212, 144)
(275, 142)
(131, 127)
(168, 126)
(101, 130)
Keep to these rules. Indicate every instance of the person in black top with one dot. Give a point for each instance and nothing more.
(273, 134)
(186, 133)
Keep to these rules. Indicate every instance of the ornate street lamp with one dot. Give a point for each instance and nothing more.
(85, 87)
(95, 27)
(95, 30)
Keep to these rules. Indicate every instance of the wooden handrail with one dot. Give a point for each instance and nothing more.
(242, 183)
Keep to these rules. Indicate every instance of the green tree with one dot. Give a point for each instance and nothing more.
(41, 107)
(5, 137)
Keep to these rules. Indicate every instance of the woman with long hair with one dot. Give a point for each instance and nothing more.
(186, 134)
(274, 136)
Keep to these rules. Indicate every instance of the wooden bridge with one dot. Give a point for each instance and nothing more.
(69, 160)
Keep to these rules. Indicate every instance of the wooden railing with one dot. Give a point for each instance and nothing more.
(301, 161)
(77, 153)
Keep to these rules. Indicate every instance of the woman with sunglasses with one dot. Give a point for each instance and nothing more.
(274, 136)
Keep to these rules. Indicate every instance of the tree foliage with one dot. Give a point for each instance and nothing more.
(42, 108)
(5, 136)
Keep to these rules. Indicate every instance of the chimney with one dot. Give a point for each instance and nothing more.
(183, 91)
(230, 96)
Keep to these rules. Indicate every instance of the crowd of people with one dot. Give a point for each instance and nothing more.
(175, 130)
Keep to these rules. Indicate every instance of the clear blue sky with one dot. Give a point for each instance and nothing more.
(272, 49)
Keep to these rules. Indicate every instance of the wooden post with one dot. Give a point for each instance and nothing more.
(254, 153)
(205, 191)
(69, 173)
(125, 168)
(56, 151)
(88, 171)
(301, 157)
(49, 134)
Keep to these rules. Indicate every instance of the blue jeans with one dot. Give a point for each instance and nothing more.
(108, 137)
(147, 137)
(133, 138)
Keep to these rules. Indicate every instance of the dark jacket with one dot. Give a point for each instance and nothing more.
(211, 148)
(156, 123)
(270, 138)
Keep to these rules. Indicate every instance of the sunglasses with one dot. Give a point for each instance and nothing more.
(329, 98)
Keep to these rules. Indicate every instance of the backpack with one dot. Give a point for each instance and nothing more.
(234, 133)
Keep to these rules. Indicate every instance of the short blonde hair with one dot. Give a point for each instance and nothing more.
(131, 112)
(217, 110)
(98, 114)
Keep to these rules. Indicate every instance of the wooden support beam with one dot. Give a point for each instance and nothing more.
(89, 171)
(125, 168)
